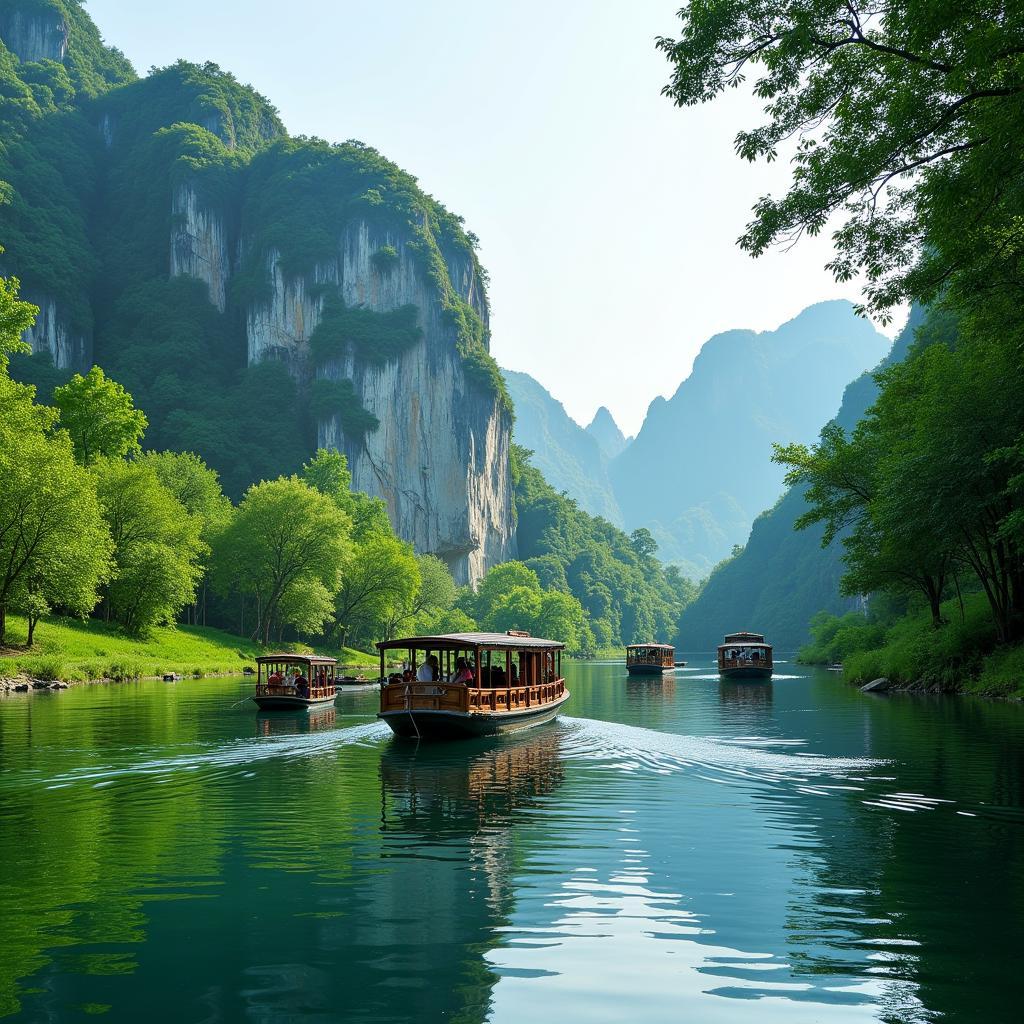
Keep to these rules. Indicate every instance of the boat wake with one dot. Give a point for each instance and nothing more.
(634, 748)
(240, 753)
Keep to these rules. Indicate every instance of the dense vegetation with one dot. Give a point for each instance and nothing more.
(90, 160)
(603, 587)
(908, 125)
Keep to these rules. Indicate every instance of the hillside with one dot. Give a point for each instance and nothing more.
(569, 457)
(171, 231)
(782, 577)
(709, 445)
(606, 432)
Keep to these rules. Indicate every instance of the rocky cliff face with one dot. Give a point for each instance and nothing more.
(440, 455)
(69, 349)
(35, 36)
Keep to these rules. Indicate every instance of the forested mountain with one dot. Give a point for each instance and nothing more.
(260, 296)
(606, 432)
(783, 577)
(569, 457)
(700, 469)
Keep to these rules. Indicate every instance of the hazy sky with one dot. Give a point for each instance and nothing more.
(607, 217)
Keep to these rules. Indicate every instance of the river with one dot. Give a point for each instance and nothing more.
(681, 849)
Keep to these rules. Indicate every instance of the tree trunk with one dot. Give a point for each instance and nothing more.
(3, 622)
(32, 621)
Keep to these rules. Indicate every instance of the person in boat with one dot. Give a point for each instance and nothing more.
(513, 679)
(428, 672)
(301, 684)
(275, 678)
(463, 673)
(321, 677)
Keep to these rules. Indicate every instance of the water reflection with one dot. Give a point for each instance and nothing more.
(682, 848)
(293, 723)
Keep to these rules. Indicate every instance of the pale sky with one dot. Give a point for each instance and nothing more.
(607, 217)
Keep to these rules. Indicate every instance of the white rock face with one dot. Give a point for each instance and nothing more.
(35, 36)
(68, 350)
(199, 245)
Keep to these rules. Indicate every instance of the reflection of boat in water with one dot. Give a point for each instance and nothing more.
(650, 659)
(749, 693)
(472, 684)
(745, 656)
(438, 786)
(284, 723)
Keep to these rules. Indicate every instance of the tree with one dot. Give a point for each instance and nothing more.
(903, 119)
(284, 534)
(517, 608)
(495, 587)
(16, 317)
(379, 576)
(421, 609)
(157, 545)
(328, 472)
(561, 617)
(54, 546)
(100, 417)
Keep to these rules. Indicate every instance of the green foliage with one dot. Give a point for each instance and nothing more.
(385, 259)
(100, 416)
(374, 337)
(157, 546)
(195, 485)
(16, 317)
(284, 537)
(835, 637)
(329, 397)
(54, 546)
(905, 119)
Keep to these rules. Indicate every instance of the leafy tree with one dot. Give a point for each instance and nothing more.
(16, 317)
(516, 608)
(54, 546)
(285, 534)
(561, 617)
(157, 546)
(904, 119)
(420, 610)
(100, 416)
(495, 587)
(379, 576)
(328, 472)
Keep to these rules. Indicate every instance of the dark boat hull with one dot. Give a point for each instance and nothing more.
(449, 725)
(648, 670)
(288, 703)
(745, 673)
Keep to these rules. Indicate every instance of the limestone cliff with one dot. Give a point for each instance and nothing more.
(34, 35)
(67, 348)
(199, 244)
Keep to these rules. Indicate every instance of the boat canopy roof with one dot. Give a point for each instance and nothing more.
(745, 643)
(461, 641)
(742, 638)
(660, 647)
(290, 658)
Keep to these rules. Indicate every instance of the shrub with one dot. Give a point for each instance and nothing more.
(49, 669)
(120, 671)
(385, 259)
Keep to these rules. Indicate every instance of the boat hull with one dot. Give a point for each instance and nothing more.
(447, 725)
(747, 672)
(284, 702)
(648, 670)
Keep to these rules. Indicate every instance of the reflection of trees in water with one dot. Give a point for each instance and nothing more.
(925, 901)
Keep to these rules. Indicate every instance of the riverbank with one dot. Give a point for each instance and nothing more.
(70, 652)
(961, 657)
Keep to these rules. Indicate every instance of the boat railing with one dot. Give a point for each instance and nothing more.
(765, 661)
(649, 659)
(291, 690)
(440, 696)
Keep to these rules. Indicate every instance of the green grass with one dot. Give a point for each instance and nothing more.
(961, 657)
(72, 650)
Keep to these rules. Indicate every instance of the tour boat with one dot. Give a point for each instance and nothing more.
(290, 682)
(650, 659)
(745, 656)
(471, 684)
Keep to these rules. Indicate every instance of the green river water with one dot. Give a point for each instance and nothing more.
(670, 851)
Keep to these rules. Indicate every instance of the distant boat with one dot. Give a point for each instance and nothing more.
(745, 656)
(835, 667)
(650, 659)
(292, 682)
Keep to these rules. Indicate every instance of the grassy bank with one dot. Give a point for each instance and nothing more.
(961, 657)
(75, 651)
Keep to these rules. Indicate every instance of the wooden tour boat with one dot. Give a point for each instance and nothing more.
(291, 682)
(471, 684)
(745, 656)
(650, 659)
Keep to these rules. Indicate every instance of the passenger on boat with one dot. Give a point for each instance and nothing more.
(463, 673)
(407, 676)
(275, 678)
(428, 671)
(514, 677)
(301, 684)
(321, 677)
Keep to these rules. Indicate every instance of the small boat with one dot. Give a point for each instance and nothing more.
(834, 667)
(471, 684)
(745, 656)
(291, 682)
(650, 659)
